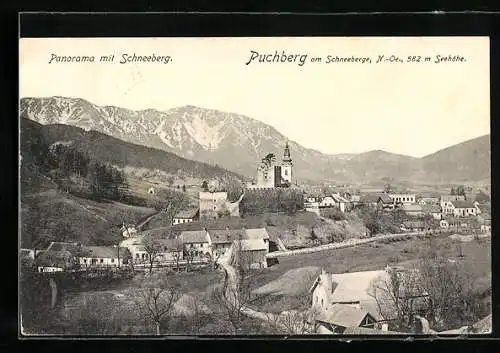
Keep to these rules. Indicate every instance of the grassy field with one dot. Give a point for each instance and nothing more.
(291, 276)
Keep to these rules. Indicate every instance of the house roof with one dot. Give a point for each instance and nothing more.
(452, 197)
(368, 331)
(412, 208)
(375, 198)
(108, 252)
(188, 214)
(172, 244)
(194, 236)
(343, 315)
(54, 258)
(355, 198)
(160, 232)
(354, 286)
(339, 198)
(252, 244)
(257, 233)
(431, 208)
(463, 204)
(221, 236)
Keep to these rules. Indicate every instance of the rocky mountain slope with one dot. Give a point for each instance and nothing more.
(237, 142)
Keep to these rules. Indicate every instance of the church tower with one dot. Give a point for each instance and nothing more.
(286, 165)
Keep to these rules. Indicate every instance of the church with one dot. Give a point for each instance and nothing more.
(273, 174)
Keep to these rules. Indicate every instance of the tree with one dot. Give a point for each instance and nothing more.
(170, 180)
(204, 185)
(155, 299)
(399, 298)
(153, 247)
(183, 188)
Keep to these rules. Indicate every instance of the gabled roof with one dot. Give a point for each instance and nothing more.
(412, 208)
(226, 235)
(194, 236)
(344, 315)
(463, 204)
(431, 208)
(187, 214)
(371, 198)
(252, 244)
(257, 233)
(171, 244)
(339, 198)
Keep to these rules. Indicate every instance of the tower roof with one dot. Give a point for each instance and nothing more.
(286, 153)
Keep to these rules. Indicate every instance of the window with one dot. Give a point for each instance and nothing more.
(112, 260)
(286, 172)
(101, 261)
(321, 302)
(84, 261)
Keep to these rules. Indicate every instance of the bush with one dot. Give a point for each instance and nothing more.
(332, 213)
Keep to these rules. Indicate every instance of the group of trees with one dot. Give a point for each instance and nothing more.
(276, 200)
(459, 190)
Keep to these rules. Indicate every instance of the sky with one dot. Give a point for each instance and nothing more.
(406, 108)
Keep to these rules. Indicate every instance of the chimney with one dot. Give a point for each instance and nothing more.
(205, 229)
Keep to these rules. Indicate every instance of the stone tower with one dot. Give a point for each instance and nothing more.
(286, 166)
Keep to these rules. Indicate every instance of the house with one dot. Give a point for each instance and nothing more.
(341, 203)
(462, 208)
(128, 230)
(428, 201)
(222, 240)
(326, 201)
(403, 198)
(169, 250)
(250, 253)
(413, 226)
(259, 234)
(484, 220)
(186, 216)
(198, 241)
(447, 198)
(338, 317)
(444, 224)
(432, 209)
(312, 207)
(356, 290)
(413, 210)
(381, 201)
(103, 256)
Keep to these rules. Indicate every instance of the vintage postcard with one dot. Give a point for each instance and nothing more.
(255, 186)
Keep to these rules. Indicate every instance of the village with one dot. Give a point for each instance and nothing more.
(339, 303)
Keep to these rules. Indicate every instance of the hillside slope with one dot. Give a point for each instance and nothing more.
(105, 148)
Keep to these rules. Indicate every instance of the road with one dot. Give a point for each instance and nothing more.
(246, 309)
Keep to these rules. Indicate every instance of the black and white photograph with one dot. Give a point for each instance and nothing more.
(236, 186)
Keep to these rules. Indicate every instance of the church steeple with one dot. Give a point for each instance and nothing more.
(286, 154)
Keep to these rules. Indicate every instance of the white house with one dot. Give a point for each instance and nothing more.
(342, 203)
(403, 198)
(198, 241)
(186, 216)
(462, 208)
(447, 198)
(105, 256)
(327, 201)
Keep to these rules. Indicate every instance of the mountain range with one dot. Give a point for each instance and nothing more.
(238, 143)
